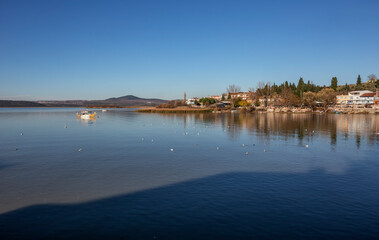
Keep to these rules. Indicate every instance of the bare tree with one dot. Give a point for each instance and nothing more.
(233, 89)
(372, 77)
(264, 90)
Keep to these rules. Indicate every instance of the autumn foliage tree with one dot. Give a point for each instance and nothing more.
(326, 97)
(309, 99)
(289, 98)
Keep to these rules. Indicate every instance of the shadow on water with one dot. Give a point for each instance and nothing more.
(228, 206)
(3, 166)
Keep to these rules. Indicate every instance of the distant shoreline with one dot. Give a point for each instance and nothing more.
(89, 107)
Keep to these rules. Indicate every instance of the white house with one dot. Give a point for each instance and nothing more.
(361, 97)
(191, 101)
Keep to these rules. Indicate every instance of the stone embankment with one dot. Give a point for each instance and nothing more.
(374, 110)
(262, 110)
(175, 110)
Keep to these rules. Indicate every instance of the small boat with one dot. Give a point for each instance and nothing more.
(86, 114)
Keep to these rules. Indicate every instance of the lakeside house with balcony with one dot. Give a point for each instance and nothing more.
(360, 97)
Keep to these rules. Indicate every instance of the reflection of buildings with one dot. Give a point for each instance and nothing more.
(269, 126)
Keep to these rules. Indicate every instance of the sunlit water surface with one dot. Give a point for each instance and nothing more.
(195, 176)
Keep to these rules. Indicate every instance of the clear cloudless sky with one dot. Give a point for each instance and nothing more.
(73, 49)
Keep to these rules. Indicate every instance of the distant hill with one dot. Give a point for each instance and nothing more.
(127, 97)
(9, 103)
(128, 100)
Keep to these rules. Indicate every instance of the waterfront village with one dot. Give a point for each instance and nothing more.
(362, 97)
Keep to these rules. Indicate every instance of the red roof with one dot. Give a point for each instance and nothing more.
(368, 94)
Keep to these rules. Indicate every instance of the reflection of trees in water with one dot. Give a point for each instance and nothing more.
(268, 126)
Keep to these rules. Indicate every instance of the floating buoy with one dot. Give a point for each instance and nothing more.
(264, 150)
(218, 148)
(65, 126)
(306, 146)
(15, 149)
(22, 134)
(152, 140)
(79, 150)
(171, 149)
(243, 144)
(246, 153)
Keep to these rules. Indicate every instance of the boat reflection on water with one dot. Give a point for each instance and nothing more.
(86, 121)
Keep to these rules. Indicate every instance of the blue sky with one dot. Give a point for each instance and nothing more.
(99, 49)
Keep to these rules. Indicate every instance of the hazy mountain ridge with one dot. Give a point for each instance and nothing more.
(128, 100)
(10, 103)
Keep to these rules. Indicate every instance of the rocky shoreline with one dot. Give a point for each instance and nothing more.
(333, 110)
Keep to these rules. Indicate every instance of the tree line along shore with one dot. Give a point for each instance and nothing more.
(286, 97)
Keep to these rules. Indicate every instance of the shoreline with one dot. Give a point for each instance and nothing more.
(331, 110)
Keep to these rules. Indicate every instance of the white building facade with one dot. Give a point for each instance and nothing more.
(361, 97)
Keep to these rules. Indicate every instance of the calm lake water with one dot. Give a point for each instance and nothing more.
(188, 176)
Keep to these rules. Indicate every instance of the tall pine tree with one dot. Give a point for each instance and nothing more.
(359, 80)
(334, 83)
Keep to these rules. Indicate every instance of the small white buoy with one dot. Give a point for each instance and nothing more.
(21, 134)
(306, 146)
(218, 148)
(152, 140)
(246, 153)
(243, 144)
(171, 149)
(79, 150)
(264, 150)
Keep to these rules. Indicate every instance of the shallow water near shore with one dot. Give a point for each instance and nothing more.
(188, 176)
